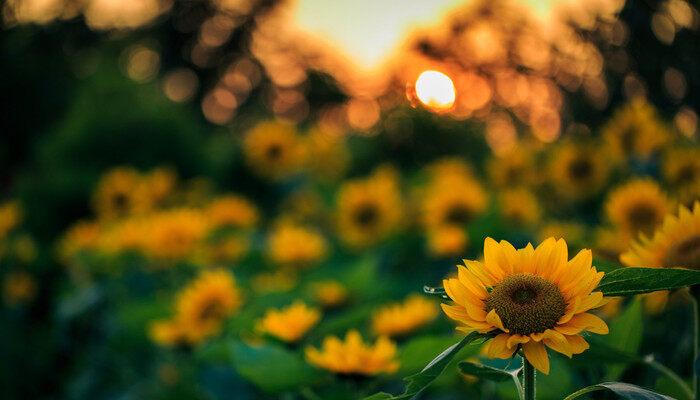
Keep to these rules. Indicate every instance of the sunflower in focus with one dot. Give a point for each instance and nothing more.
(404, 317)
(202, 306)
(531, 298)
(681, 169)
(635, 131)
(353, 357)
(232, 211)
(446, 241)
(676, 243)
(578, 172)
(370, 209)
(637, 206)
(289, 324)
(520, 207)
(329, 293)
(293, 245)
(273, 150)
(121, 192)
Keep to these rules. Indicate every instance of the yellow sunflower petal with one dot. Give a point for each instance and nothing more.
(583, 322)
(498, 347)
(516, 339)
(557, 342)
(577, 344)
(536, 354)
(495, 320)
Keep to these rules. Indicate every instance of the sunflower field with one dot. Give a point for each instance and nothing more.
(211, 200)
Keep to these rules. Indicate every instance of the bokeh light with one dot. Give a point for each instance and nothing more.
(435, 90)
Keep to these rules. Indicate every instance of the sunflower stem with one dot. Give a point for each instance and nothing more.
(528, 380)
(696, 339)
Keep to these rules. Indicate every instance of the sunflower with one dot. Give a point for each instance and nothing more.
(353, 357)
(293, 245)
(205, 303)
(676, 243)
(329, 293)
(289, 324)
(273, 150)
(577, 171)
(19, 287)
(681, 169)
(121, 192)
(574, 232)
(532, 298)
(82, 236)
(452, 200)
(271, 282)
(635, 131)
(520, 207)
(637, 206)
(160, 184)
(515, 169)
(174, 234)
(226, 249)
(328, 156)
(167, 333)
(10, 217)
(401, 318)
(446, 241)
(610, 242)
(232, 211)
(370, 209)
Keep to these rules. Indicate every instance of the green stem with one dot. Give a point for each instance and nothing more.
(528, 380)
(696, 339)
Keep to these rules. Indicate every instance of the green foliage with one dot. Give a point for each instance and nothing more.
(626, 332)
(631, 281)
(623, 390)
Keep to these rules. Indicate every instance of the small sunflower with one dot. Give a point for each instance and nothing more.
(681, 169)
(514, 169)
(637, 206)
(368, 210)
(532, 298)
(121, 192)
(293, 245)
(452, 200)
(19, 287)
(289, 324)
(174, 234)
(635, 131)
(204, 304)
(401, 318)
(353, 357)
(82, 236)
(577, 171)
(329, 293)
(676, 243)
(520, 207)
(273, 150)
(446, 241)
(167, 333)
(232, 211)
(328, 155)
(574, 232)
(10, 217)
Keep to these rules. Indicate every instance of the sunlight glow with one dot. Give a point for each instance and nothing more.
(436, 90)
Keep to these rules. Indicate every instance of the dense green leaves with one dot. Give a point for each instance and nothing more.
(623, 390)
(270, 367)
(418, 382)
(631, 281)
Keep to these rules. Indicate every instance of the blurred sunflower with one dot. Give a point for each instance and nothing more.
(574, 232)
(635, 131)
(121, 192)
(270, 282)
(10, 217)
(370, 209)
(401, 318)
(514, 169)
(577, 171)
(167, 333)
(609, 243)
(289, 324)
(174, 234)
(232, 211)
(18, 287)
(296, 246)
(226, 249)
(273, 150)
(82, 236)
(520, 207)
(637, 206)
(676, 243)
(452, 200)
(447, 240)
(205, 303)
(353, 357)
(531, 298)
(681, 170)
(328, 156)
(329, 293)
(160, 184)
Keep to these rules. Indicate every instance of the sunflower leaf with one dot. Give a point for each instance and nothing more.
(416, 383)
(486, 372)
(637, 280)
(623, 390)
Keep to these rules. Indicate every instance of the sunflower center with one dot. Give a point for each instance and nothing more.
(526, 303)
(686, 175)
(685, 254)
(212, 310)
(458, 215)
(274, 151)
(627, 139)
(119, 201)
(580, 169)
(366, 215)
(643, 217)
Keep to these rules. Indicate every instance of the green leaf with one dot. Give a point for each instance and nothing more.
(486, 372)
(636, 280)
(271, 367)
(624, 390)
(625, 334)
(417, 352)
(418, 382)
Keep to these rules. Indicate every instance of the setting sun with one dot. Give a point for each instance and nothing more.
(435, 90)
